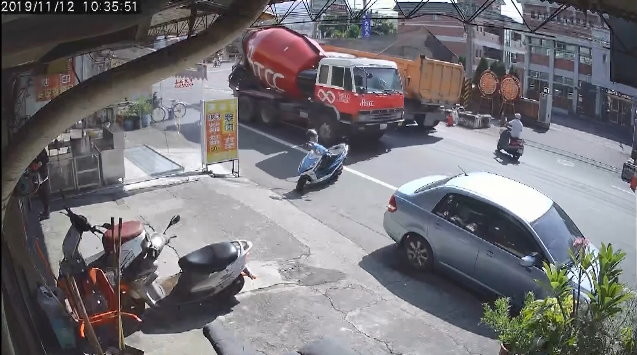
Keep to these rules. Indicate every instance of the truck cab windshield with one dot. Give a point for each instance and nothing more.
(377, 80)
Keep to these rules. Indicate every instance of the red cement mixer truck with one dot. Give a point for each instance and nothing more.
(286, 76)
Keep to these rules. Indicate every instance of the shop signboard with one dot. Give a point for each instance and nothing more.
(49, 86)
(220, 135)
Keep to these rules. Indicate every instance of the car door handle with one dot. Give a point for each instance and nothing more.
(490, 253)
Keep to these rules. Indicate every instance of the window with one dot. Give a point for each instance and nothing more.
(323, 74)
(348, 80)
(536, 41)
(557, 231)
(585, 56)
(465, 212)
(337, 76)
(509, 234)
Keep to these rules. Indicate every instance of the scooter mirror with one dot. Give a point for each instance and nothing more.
(175, 220)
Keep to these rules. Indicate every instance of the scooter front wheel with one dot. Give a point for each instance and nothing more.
(300, 184)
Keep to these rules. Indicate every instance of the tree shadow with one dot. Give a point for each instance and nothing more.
(178, 319)
(455, 303)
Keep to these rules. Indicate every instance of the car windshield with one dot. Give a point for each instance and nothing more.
(557, 231)
(377, 80)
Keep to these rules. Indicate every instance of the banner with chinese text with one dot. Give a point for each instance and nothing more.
(47, 87)
(220, 137)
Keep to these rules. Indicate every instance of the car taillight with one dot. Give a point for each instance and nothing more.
(391, 206)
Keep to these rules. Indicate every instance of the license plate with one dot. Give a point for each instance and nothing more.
(383, 126)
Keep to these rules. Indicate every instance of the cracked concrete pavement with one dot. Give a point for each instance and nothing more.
(312, 281)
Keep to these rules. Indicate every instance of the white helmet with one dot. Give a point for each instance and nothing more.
(312, 135)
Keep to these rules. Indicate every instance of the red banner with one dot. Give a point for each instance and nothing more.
(47, 87)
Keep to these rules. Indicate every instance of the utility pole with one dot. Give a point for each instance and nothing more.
(468, 29)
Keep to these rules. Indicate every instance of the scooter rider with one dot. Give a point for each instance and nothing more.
(514, 130)
(516, 126)
(312, 138)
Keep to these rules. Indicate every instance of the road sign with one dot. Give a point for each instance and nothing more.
(366, 26)
(219, 132)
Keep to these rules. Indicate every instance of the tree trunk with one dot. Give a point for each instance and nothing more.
(116, 84)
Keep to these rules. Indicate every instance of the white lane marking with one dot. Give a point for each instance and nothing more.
(296, 147)
(622, 190)
(566, 163)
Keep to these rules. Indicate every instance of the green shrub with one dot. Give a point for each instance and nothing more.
(573, 321)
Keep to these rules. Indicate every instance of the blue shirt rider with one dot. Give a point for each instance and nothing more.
(312, 142)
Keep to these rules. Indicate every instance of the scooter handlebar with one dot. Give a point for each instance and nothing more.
(81, 222)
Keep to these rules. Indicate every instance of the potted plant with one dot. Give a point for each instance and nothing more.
(142, 109)
(572, 320)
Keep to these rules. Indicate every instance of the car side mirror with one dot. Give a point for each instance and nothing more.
(529, 260)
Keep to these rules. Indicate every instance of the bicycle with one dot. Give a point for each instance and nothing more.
(176, 110)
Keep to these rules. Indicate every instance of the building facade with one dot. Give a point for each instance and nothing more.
(572, 55)
(569, 55)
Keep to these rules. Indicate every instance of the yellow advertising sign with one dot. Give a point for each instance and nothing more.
(220, 131)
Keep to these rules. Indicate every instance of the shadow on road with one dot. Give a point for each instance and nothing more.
(431, 292)
(281, 166)
(169, 320)
(504, 159)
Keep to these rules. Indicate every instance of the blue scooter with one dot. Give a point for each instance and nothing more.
(320, 164)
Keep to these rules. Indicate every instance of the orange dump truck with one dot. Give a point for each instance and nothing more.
(429, 84)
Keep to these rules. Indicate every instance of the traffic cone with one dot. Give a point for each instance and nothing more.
(449, 120)
(633, 182)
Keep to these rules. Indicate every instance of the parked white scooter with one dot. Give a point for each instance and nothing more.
(215, 270)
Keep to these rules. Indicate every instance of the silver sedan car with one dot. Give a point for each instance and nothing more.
(485, 228)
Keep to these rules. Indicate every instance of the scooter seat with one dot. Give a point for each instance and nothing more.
(211, 258)
(130, 230)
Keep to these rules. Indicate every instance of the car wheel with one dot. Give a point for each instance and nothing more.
(418, 252)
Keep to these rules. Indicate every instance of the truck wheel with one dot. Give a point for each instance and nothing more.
(247, 109)
(420, 121)
(327, 129)
(268, 114)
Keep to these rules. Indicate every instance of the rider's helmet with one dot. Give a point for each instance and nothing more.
(312, 136)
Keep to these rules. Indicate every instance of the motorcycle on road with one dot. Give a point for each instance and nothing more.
(512, 146)
(321, 164)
